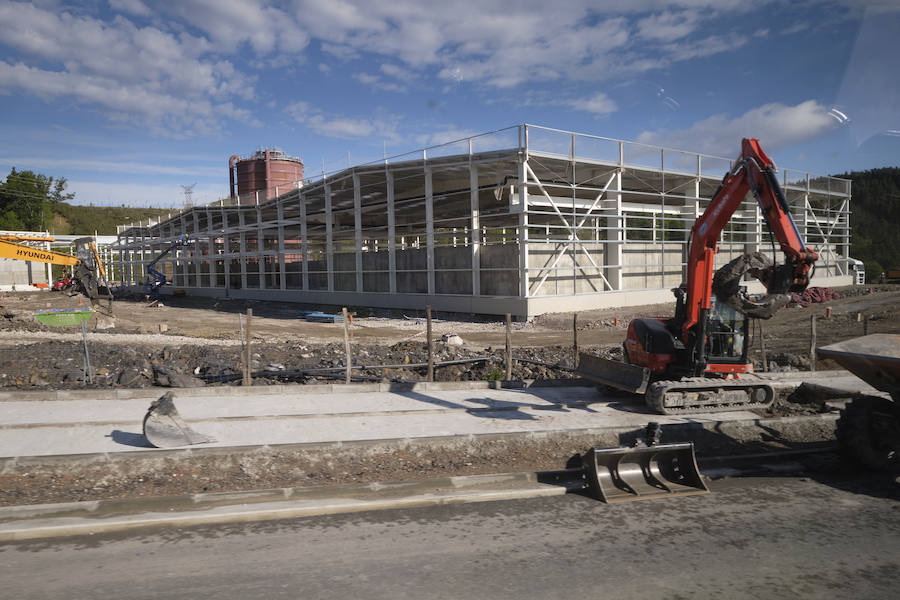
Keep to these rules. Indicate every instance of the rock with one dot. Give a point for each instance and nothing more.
(451, 339)
(131, 378)
(104, 323)
(165, 377)
(73, 376)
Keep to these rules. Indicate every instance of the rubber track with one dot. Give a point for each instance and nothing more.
(656, 395)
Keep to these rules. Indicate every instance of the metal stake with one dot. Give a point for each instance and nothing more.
(88, 373)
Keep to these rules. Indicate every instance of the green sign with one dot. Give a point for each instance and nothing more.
(58, 317)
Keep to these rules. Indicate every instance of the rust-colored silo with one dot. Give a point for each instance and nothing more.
(263, 172)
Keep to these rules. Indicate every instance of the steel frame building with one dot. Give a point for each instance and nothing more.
(523, 220)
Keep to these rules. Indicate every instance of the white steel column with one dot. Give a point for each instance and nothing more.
(50, 268)
(226, 249)
(476, 229)
(198, 257)
(392, 233)
(357, 231)
(185, 262)
(429, 229)
(615, 237)
(282, 269)
(212, 249)
(523, 228)
(243, 248)
(260, 247)
(304, 245)
(329, 239)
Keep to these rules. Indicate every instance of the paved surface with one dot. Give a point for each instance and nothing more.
(40, 427)
(750, 538)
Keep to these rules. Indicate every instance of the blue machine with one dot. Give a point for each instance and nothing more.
(155, 279)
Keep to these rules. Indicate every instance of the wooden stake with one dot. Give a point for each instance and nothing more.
(866, 325)
(812, 342)
(508, 347)
(762, 345)
(348, 367)
(430, 349)
(248, 355)
(575, 340)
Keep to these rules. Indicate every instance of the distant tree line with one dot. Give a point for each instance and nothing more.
(875, 219)
(32, 201)
(29, 200)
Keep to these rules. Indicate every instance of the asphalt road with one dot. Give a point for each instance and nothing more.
(771, 537)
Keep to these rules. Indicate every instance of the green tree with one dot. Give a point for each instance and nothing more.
(28, 200)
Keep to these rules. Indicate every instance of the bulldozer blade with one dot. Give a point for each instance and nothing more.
(164, 427)
(642, 473)
(615, 374)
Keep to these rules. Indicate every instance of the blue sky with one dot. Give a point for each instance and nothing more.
(130, 99)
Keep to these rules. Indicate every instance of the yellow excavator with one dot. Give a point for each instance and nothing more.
(87, 268)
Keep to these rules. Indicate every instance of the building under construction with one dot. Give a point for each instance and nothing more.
(524, 220)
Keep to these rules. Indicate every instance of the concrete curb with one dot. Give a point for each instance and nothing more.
(18, 523)
(42, 521)
(325, 388)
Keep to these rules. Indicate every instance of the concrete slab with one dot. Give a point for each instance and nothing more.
(256, 418)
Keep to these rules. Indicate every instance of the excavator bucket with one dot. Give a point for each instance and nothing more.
(642, 473)
(614, 373)
(164, 427)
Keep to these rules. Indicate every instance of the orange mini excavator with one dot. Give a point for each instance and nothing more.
(692, 362)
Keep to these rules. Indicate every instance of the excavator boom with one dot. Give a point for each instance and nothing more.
(87, 268)
(753, 172)
(16, 251)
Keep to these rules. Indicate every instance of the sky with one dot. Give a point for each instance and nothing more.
(131, 100)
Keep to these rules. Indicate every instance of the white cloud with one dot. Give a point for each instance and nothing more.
(339, 126)
(503, 45)
(231, 23)
(668, 26)
(598, 104)
(775, 125)
(135, 75)
(376, 82)
(391, 70)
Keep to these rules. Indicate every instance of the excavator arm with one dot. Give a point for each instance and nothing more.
(87, 269)
(156, 279)
(16, 251)
(753, 172)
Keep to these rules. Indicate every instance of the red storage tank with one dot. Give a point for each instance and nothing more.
(263, 172)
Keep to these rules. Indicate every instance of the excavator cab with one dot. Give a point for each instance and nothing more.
(726, 335)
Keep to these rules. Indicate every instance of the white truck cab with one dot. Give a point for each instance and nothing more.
(858, 269)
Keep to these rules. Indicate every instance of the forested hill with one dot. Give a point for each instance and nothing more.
(32, 201)
(71, 219)
(875, 219)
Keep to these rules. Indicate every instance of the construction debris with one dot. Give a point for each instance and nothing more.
(814, 295)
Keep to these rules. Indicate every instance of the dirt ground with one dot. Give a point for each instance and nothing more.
(201, 346)
(200, 343)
